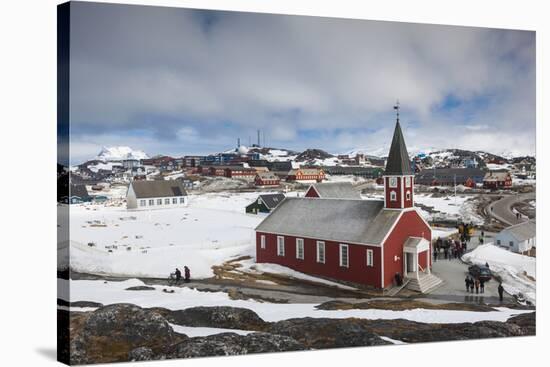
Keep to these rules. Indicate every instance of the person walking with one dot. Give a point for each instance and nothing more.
(435, 254)
(500, 291)
(450, 253)
(187, 273)
(446, 252)
(481, 286)
(467, 282)
(476, 284)
(178, 275)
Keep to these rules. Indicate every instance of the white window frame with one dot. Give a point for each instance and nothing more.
(408, 196)
(407, 181)
(321, 245)
(143, 202)
(300, 246)
(151, 202)
(167, 201)
(393, 196)
(182, 200)
(174, 201)
(159, 201)
(262, 241)
(342, 247)
(280, 246)
(392, 180)
(370, 258)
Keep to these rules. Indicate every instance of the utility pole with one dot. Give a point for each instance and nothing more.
(455, 187)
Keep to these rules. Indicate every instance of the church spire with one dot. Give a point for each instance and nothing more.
(398, 160)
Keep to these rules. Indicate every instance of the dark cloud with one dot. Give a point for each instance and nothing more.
(185, 80)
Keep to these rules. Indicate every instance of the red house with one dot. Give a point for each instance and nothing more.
(495, 180)
(306, 174)
(365, 242)
(267, 179)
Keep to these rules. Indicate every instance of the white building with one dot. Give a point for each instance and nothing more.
(156, 195)
(518, 238)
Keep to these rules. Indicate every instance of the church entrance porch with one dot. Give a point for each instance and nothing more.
(413, 248)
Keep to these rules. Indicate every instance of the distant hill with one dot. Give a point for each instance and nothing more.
(119, 153)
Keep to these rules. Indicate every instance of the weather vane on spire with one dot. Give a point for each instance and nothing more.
(396, 108)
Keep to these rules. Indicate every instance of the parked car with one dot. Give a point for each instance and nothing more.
(480, 272)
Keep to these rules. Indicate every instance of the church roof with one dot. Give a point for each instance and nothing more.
(398, 160)
(341, 220)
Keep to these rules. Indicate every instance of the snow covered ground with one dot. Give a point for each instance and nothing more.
(211, 230)
(518, 272)
(114, 292)
(108, 239)
(449, 207)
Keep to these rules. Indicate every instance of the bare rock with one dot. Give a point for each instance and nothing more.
(110, 333)
(219, 317)
(328, 333)
(226, 344)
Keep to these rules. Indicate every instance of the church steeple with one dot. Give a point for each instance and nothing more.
(398, 176)
(398, 160)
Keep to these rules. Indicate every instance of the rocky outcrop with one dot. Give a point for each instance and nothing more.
(110, 333)
(218, 316)
(327, 333)
(226, 344)
(125, 332)
(415, 332)
(401, 305)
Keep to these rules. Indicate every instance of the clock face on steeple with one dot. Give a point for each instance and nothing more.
(393, 181)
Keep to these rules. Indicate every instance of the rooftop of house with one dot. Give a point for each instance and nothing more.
(522, 231)
(158, 189)
(336, 190)
(272, 200)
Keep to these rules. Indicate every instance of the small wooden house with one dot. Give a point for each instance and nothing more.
(267, 179)
(265, 203)
(518, 238)
(495, 180)
(156, 194)
(306, 175)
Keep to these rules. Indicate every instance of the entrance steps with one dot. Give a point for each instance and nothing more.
(396, 289)
(425, 283)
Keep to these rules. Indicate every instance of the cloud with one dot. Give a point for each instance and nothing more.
(169, 74)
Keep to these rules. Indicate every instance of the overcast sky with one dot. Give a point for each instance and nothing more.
(177, 81)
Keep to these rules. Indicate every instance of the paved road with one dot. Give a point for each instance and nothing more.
(501, 209)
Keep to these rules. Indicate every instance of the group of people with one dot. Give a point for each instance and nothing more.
(471, 283)
(187, 274)
(450, 249)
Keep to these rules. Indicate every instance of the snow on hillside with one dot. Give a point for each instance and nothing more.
(182, 298)
(108, 166)
(119, 153)
(518, 272)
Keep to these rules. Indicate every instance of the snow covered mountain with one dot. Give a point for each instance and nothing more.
(108, 154)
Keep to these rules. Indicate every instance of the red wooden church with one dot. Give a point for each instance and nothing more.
(358, 241)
